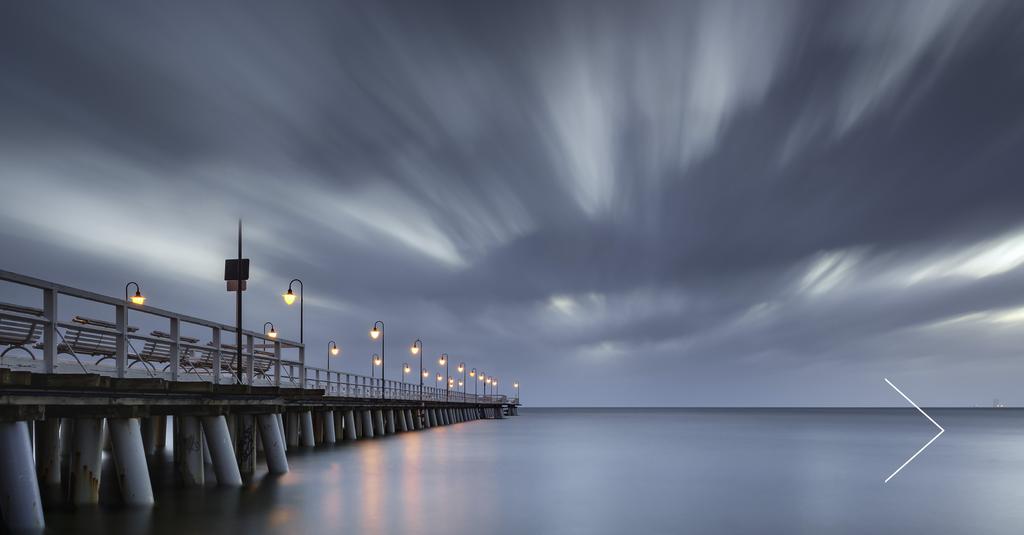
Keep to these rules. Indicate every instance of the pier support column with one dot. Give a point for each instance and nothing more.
(148, 435)
(378, 423)
(350, 425)
(367, 424)
(221, 451)
(280, 425)
(409, 424)
(273, 444)
(189, 448)
(444, 417)
(432, 414)
(339, 426)
(318, 428)
(20, 503)
(86, 460)
(391, 422)
(48, 456)
(329, 434)
(292, 428)
(130, 461)
(308, 439)
(403, 425)
(245, 446)
(160, 424)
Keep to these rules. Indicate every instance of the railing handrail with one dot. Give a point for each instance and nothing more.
(178, 348)
(114, 301)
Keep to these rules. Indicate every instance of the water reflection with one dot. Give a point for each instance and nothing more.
(618, 472)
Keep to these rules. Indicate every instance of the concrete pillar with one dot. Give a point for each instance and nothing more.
(292, 428)
(20, 504)
(190, 447)
(391, 422)
(245, 443)
(378, 423)
(48, 455)
(403, 425)
(367, 424)
(273, 443)
(444, 417)
(206, 450)
(350, 425)
(318, 428)
(339, 426)
(222, 451)
(432, 415)
(307, 430)
(67, 435)
(329, 434)
(86, 460)
(130, 461)
(280, 424)
(161, 431)
(148, 435)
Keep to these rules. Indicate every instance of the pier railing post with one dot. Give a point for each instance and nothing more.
(217, 356)
(302, 366)
(250, 368)
(50, 335)
(277, 364)
(121, 357)
(176, 348)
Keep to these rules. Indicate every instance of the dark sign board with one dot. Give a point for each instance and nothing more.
(231, 270)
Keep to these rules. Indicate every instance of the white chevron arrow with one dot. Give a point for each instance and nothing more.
(929, 443)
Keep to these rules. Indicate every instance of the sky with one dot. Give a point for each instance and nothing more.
(677, 203)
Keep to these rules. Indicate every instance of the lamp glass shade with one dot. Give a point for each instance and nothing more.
(415, 350)
(375, 333)
(272, 333)
(289, 297)
(138, 298)
(335, 350)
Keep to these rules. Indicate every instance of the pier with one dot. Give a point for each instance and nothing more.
(74, 384)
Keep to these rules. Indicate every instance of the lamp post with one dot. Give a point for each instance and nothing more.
(417, 349)
(289, 298)
(271, 333)
(494, 387)
(138, 298)
(332, 351)
(472, 375)
(437, 380)
(482, 378)
(376, 333)
(462, 369)
(486, 386)
(516, 386)
(443, 361)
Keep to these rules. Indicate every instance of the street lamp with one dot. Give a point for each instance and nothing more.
(417, 349)
(516, 386)
(375, 360)
(271, 333)
(138, 298)
(332, 351)
(376, 333)
(437, 380)
(462, 369)
(289, 298)
(443, 361)
(472, 375)
(405, 370)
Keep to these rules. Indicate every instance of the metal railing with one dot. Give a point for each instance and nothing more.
(171, 355)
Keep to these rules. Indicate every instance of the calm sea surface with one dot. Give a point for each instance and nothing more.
(623, 471)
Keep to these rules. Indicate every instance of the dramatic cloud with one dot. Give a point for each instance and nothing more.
(638, 203)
